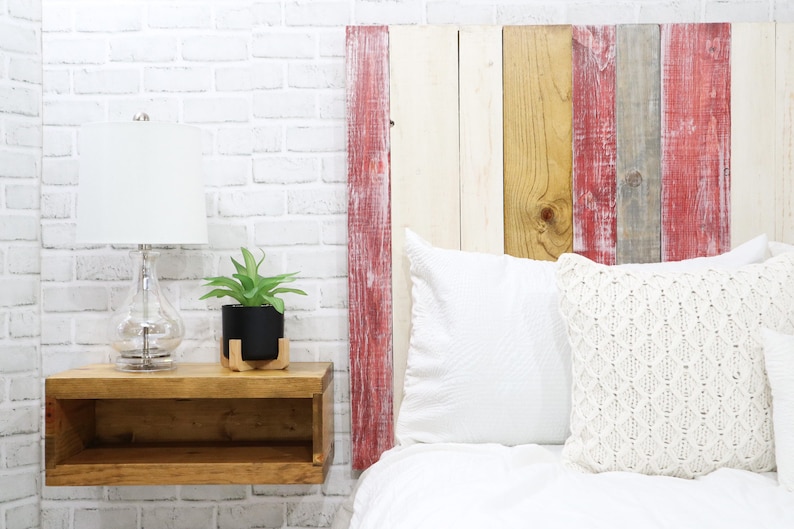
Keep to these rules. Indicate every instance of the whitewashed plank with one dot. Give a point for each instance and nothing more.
(752, 138)
(784, 155)
(481, 157)
(425, 158)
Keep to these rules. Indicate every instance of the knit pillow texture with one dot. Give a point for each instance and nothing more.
(779, 359)
(668, 367)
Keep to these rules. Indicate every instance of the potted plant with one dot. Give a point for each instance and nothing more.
(257, 319)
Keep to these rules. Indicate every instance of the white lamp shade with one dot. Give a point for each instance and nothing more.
(140, 183)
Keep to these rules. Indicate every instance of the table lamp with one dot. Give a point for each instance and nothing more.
(140, 183)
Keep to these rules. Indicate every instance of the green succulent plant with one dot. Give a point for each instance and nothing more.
(248, 287)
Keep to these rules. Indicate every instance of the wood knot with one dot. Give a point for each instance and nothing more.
(547, 214)
(634, 178)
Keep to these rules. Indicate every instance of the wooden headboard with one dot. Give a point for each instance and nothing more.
(628, 143)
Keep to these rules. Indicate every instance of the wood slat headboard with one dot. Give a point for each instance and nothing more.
(623, 143)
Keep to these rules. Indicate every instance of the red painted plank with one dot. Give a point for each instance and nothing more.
(369, 243)
(696, 123)
(594, 143)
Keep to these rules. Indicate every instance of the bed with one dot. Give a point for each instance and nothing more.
(571, 293)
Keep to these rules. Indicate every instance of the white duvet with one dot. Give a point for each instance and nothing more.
(488, 486)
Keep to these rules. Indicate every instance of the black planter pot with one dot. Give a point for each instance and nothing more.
(259, 329)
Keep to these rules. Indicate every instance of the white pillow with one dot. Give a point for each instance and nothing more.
(779, 360)
(484, 362)
(489, 358)
(668, 370)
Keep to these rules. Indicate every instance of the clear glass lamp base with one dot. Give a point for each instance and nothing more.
(146, 328)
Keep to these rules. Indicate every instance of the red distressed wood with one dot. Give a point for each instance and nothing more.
(696, 123)
(594, 143)
(369, 243)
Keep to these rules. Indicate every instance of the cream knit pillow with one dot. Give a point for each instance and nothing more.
(668, 369)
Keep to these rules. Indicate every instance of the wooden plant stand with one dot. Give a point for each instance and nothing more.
(235, 361)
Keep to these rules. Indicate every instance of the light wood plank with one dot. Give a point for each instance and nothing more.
(695, 140)
(752, 137)
(423, 77)
(638, 161)
(369, 243)
(784, 155)
(537, 138)
(481, 165)
(594, 143)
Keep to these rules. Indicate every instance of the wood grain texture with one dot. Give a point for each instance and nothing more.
(425, 182)
(594, 143)
(696, 123)
(784, 127)
(69, 429)
(638, 160)
(369, 243)
(537, 141)
(481, 165)
(752, 137)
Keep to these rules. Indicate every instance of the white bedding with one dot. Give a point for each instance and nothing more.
(492, 486)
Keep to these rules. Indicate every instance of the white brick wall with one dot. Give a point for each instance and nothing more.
(264, 80)
(20, 171)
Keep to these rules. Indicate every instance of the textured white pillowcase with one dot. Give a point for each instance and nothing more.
(489, 358)
(668, 370)
(779, 360)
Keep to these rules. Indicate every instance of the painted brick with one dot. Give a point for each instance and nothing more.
(267, 13)
(21, 196)
(339, 482)
(58, 141)
(301, 326)
(73, 112)
(316, 139)
(19, 164)
(19, 420)
(284, 104)
(25, 516)
(24, 9)
(233, 79)
(331, 105)
(106, 81)
(275, 45)
(56, 18)
(143, 49)
(177, 79)
(56, 81)
(747, 11)
(251, 203)
(267, 139)
(279, 232)
(226, 171)
(227, 236)
(23, 260)
(193, 517)
(17, 358)
(267, 75)
(118, 518)
(542, 14)
(216, 110)
(234, 16)
(18, 38)
(218, 493)
(317, 13)
(458, 13)
(104, 267)
(23, 388)
(17, 485)
(322, 263)
(604, 13)
(390, 12)
(262, 515)
(56, 329)
(318, 513)
(20, 100)
(23, 134)
(56, 518)
(62, 171)
(666, 13)
(25, 69)
(334, 231)
(24, 323)
(56, 205)
(57, 267)
(75, 51)
(179, 16)
(332, 44)
(333, 294)
(71, 493)
(57, 235)
(183, 265)
(72, 299)
(120, 18)
(326, 200)
(18, 228)
(159, 493)
(334, 168)
(235, 141)
(211, 48)
(316, 75)
(91, 331)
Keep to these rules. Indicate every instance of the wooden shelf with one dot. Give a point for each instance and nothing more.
(197, 424)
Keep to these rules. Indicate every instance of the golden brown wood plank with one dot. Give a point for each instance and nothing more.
(178, 420)
(210, 380)
(189, 464)
(537, 141)
(69, 428)
(639, 179)
(323, 430)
